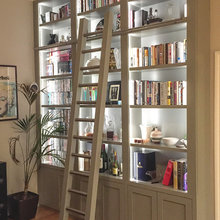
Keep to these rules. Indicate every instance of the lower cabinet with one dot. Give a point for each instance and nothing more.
(50, 181)
(152, 205)
(112, 201)
(174, 208)
(116, 200)
(142, 204)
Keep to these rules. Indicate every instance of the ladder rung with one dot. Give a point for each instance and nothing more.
(92, 50)
(90, 67)
(76, 211)
(91, 73)
(86, 102)
(77, 192)
(88, 84)
(81, 155)
(93, 33)
(83, 138)
(85, 119)
(79, 173)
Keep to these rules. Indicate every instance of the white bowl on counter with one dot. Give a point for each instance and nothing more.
(170, 141)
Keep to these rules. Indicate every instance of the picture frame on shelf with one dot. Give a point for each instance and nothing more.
(8, 93)
(114, 92)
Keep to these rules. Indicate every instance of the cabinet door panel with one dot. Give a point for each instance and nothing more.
(142, 204)
(112, 201)
(50, 186)
(174, 208)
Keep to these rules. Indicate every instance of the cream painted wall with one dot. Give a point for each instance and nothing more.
(16, 48)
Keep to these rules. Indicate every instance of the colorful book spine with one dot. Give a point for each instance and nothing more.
(175, 175)
(168, 175)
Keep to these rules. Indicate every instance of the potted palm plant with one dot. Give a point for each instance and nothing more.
(33, 132)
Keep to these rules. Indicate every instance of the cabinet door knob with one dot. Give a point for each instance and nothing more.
(1, 180)
(1, 205)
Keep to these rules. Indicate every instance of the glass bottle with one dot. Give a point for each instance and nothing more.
(155, 13)
(101, 168)
(151, 14)
(88, 130)
(104, 135)
(115, 165)
(103, 160)
(110, 162)
(110, 130)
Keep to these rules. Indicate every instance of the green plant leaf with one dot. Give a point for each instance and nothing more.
(12, 148)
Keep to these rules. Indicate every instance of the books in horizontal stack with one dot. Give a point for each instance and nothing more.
(169, 53)
(148, 92)
(176, 174)
(87, 5)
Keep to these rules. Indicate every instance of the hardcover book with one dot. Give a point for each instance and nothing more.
(168, 175)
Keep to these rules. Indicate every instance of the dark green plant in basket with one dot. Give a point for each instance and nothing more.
(30, 145)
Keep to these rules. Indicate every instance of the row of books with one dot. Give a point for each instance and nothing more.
(59, 98)
(169, 53)
(158, 93)
(59, 62)
(59, 85)
(49, 16)
(63, 118)
(176, 174)
(59, 147)
(138, 18)
(87, 5)
(89, 94)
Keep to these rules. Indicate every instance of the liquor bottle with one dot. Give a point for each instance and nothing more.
(101, 167)
(110, 162)
(115, 165)
(103, 160)
(110, 130)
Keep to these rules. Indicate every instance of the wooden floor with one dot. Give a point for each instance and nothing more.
(44, 213)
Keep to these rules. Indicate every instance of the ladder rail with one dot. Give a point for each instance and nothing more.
(69, 163)
(99, 117)
(72, 154)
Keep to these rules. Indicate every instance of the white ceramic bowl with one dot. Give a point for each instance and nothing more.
(170, 140)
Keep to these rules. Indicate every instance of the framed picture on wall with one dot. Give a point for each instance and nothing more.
(8, 93)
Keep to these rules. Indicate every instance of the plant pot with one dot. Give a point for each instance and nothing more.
(21, 208)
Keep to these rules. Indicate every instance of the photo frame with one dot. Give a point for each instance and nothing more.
(8, 93)
(114, 92)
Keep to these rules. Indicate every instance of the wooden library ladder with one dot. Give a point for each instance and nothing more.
(99, 104)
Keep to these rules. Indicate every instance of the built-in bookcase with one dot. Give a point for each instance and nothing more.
(54, 46)
(143, 55)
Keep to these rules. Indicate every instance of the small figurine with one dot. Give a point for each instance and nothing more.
(68, 37)
(53, 38)
(62, 38)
